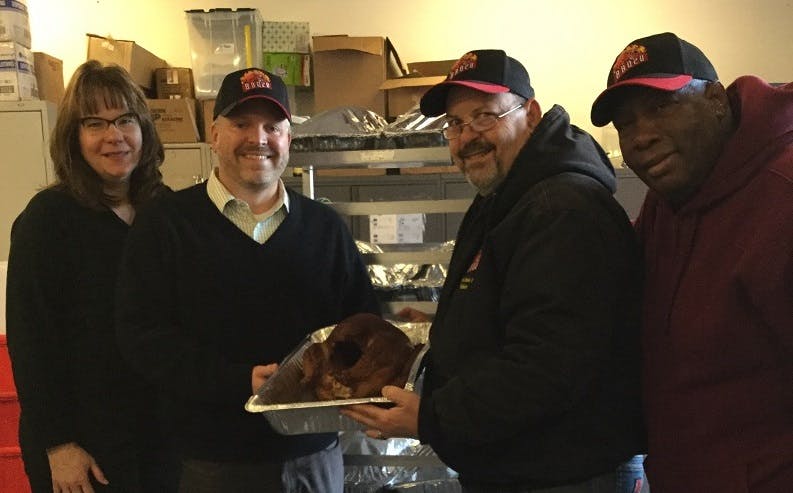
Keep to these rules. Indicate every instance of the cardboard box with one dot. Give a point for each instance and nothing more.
(175, 119)
(17, 79)
(49, 76)
(428, 69)
(348, 71)
(14, 22)
(139, 62)
(207, 107)
(174, 83)
(404, 93)
(286, 37)
(293, 68)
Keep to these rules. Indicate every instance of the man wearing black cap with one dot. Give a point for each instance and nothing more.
(531, 381)
(717, 231)
(222, 280)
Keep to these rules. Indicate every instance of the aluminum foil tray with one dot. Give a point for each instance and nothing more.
(291, 408)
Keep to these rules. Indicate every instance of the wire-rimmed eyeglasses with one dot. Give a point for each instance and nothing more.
(124, 123)
(479, 123)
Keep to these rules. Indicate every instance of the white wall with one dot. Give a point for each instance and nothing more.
(567, 46)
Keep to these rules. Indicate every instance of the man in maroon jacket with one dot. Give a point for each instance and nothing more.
(717, 232)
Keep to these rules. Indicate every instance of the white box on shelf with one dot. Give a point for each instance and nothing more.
(17, 78)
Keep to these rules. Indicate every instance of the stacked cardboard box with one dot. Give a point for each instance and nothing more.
(14, 22)
(49, 76)
(348, 71)
(174, 83)
(139, 62)
(175, 119)
(17, 78)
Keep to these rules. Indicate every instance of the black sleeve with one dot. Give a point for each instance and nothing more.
(38, 290)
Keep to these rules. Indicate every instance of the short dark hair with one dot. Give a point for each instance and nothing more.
(90, 83)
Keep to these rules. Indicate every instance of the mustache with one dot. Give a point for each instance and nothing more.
(257, 149)
(475, 147)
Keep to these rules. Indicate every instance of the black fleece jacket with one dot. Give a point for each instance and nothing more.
(533, 374)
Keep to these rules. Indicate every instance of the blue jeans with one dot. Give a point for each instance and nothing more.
(630, 476)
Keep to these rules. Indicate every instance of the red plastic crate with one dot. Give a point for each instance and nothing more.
(9, 420)
(12, 471)
(6, 377)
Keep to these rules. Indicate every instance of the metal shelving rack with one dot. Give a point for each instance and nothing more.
(310, 162)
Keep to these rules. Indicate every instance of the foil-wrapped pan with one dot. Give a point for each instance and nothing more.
(291, 408)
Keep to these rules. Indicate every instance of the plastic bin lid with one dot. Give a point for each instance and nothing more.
(224, 9)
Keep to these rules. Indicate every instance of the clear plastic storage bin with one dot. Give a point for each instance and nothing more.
(222, 41)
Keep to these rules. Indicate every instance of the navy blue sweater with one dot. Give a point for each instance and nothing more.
(200, 303)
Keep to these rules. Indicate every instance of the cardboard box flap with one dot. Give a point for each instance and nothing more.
(395, 67)
(374, 45)
(426, 69)
(411, 82)
(368, 44)
(138, 61)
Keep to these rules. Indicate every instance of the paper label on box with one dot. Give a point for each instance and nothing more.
(396, 228)
(17, 79)
(171, 76)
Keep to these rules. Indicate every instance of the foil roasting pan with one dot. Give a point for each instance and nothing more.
(291, 408)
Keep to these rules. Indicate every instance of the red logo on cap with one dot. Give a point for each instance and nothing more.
(255, 79)
(466, 62)
(630, 57)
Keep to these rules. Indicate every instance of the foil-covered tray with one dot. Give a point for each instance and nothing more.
(291, 408)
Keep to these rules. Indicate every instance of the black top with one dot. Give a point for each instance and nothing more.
(533, 375)
(72, 382)
(201, 303)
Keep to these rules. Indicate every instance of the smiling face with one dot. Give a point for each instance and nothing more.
(252, 144)
(671, 140)
(486, 157)
(111, 152)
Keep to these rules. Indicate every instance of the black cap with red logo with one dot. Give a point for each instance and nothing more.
(490, 71)
(661, 61)
(247, 84)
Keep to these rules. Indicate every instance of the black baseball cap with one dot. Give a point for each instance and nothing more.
(251, 83)
(490, 71)
(661, 61)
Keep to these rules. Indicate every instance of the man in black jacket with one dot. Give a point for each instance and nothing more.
(532, 380)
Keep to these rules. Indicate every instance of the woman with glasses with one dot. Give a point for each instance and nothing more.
(87, 423)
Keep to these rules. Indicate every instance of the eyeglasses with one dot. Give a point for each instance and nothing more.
(479, 123)
(125, 123)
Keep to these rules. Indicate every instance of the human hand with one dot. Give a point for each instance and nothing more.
(69, 465)
(260, 374)
(409, 314)
(401, 420)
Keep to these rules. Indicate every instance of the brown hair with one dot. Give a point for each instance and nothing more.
(93, 82)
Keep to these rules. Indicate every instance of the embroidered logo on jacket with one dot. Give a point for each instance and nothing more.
(468, 278)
